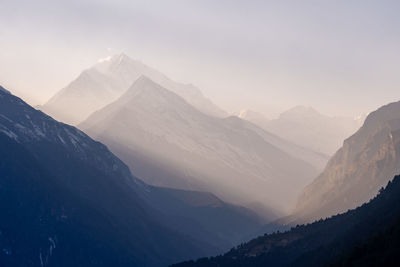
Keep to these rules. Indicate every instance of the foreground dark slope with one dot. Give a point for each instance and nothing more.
(347, 239)
(50, 167)
(381, 249)
(67, 201)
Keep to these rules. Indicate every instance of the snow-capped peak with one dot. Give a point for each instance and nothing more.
(106, 59)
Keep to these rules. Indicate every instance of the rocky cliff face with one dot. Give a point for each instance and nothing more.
(358, 170)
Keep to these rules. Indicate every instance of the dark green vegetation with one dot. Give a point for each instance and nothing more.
(381, 249)
(66, 200)
(366, 236)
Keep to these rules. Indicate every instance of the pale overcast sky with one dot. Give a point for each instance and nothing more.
(341, 57)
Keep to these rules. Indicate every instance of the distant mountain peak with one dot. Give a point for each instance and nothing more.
(105, 59)
(144, 84)
(251, 115)
(191, 150)
(244, 112)
(108, 80)
(150, 95)
(121, 58)
(116, 57)
(143, 79)
(300, 111)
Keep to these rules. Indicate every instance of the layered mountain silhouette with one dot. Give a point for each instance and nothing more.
(308, 128)
(364, 164)
(167, 142)
(203, 217)
(67, 200)
(106, 81)
(366, 236)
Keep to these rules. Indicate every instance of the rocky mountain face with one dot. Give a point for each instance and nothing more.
(366, 236)
(67, 200)
(167, 142)
(106, 81)
(358, 170)
(308, 128)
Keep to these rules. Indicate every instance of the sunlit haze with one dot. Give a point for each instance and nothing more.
(341, 57)
(199, 133)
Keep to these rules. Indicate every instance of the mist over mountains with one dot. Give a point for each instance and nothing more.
(176, 178)
(199, 133)
(171, 135)
(308, 128)
(358, 170)
(366, 236)
(65, 194)
(106, 81)
(157, 133)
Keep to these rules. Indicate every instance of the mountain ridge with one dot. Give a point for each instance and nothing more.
(358, 170)
(104, 82)
(308, 128)
(328, 242)
(64, 193)
(157, 131)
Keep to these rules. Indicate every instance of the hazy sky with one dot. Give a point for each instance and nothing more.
(341, 57)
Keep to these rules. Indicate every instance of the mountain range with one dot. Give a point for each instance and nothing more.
(184, 180)
(308, 128)
(104, 82)
(168, 142)
(366, 236)
(365, 163)
(67, 200)
(194, 136)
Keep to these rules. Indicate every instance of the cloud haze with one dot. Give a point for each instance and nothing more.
(339, 56)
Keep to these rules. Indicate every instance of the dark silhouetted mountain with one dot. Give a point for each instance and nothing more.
(308, 128)
(381, 249)
(4, 90)
(203, 216)
(66, 200)
(358, 170)
(106, 81)
(167, 142)
(345, 239)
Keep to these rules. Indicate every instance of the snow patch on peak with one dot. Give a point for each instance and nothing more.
(106, 59)
(243, 113)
